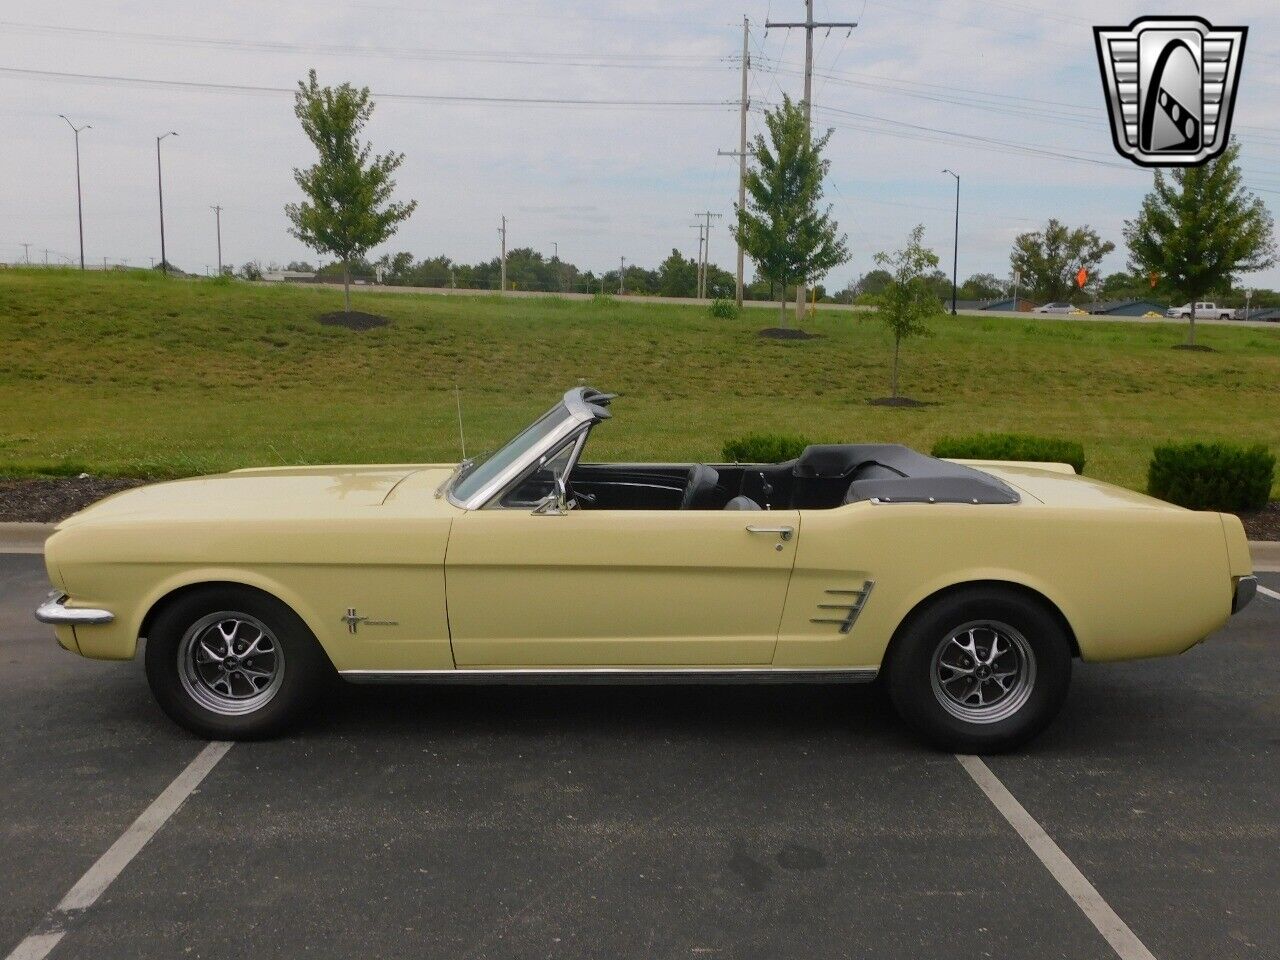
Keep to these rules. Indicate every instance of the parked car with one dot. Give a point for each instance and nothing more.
(1203, 310)
(1058, 308)
(969, 587)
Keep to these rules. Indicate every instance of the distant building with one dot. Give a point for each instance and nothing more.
(1125, 308)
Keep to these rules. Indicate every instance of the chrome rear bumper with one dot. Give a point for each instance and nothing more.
(55, 611)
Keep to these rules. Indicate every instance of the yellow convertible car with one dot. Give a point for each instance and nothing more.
(967, 588)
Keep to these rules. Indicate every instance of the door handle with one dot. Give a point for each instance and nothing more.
(786, 533)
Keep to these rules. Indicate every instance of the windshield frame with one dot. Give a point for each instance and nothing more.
(579, 406)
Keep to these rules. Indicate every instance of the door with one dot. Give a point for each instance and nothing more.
(611, 588)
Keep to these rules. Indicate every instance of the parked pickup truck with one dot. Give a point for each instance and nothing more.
(1203, 310)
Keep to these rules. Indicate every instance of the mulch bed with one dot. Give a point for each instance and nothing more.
(1263, 524)
(50, 499)
(898, 402)
(355, 320)
(787, 333)
(1197, 347)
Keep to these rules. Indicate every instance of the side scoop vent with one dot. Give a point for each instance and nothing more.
(849, 601)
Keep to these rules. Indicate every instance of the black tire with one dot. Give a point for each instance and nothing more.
(925, 649)
(179, 684)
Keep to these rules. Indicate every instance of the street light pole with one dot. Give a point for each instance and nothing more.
(79, 205)
(955, 249)
(164, 260)
(217, 214)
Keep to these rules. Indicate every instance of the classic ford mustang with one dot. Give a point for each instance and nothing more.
(967, 588)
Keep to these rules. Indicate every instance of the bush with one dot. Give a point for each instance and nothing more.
(1011, 446)
(1212, 476)
(724, 309)
(763, 448)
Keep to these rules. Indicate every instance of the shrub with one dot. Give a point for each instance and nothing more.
(1212, 476)
(1011, 446)
(764, 448)
(723, 309)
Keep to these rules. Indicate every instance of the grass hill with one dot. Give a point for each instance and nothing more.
(136, 374)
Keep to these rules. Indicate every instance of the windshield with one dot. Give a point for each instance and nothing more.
(490, 465)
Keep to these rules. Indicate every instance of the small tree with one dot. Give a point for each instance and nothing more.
(908, 300)
(1048, 260)
(1197, 228)
(348, 190)
(781, 228)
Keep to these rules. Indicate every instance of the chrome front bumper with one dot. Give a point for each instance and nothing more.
(55, 611)
(1246, 590)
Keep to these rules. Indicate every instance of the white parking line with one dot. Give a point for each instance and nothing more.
(1268, 593)
(1117, 933)
(97, 878)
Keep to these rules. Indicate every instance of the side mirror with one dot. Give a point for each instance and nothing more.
(556, 503)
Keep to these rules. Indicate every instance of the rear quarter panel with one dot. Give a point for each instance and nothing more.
(1131, 583)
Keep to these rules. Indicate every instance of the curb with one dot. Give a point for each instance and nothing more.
(24, 537)
(30, 538)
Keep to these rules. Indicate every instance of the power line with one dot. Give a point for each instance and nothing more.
(408, 97)
(637, 60)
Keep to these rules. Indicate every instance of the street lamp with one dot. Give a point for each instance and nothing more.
(79, 206)
(955, 249)
(164, 261)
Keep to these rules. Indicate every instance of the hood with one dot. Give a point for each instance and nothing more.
(245, 494)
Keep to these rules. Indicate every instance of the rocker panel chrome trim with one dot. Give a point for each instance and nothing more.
(639, 675)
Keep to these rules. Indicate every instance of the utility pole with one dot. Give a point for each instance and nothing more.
(697, 286)
(502, 285)
(46, 256)
(705, 251)
(79, 206)
(555, 259)
(217, 214)
(955, 249)
(808, 25)
(622, 276)
(164, 261)
(741, 152)
(26, 252)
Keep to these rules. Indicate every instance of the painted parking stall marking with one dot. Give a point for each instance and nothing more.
(1266, 592)
(1123, 941)
(98, 877)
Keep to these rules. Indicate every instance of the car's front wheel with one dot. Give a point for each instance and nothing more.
(981, 670)
(232, 664)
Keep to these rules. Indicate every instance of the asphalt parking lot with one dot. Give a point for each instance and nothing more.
(735, 822)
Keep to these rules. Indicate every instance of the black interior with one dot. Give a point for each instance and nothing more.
(824, 476)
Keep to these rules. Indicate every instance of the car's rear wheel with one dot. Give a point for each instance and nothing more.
(981, 670)
(232, 664)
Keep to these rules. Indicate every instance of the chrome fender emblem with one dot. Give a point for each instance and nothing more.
(353, 621)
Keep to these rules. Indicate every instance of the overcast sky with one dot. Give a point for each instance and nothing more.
(602, 181)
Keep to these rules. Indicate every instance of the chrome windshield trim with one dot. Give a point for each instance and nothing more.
(579, 409)
(55, 611)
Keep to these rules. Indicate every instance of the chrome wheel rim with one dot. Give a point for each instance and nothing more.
(983, 672)
(230, 663)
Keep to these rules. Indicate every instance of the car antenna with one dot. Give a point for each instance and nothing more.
(462, 437)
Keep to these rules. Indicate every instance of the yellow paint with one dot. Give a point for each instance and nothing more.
(1133, 576)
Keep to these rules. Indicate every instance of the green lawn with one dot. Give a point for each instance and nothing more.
(135, 374)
